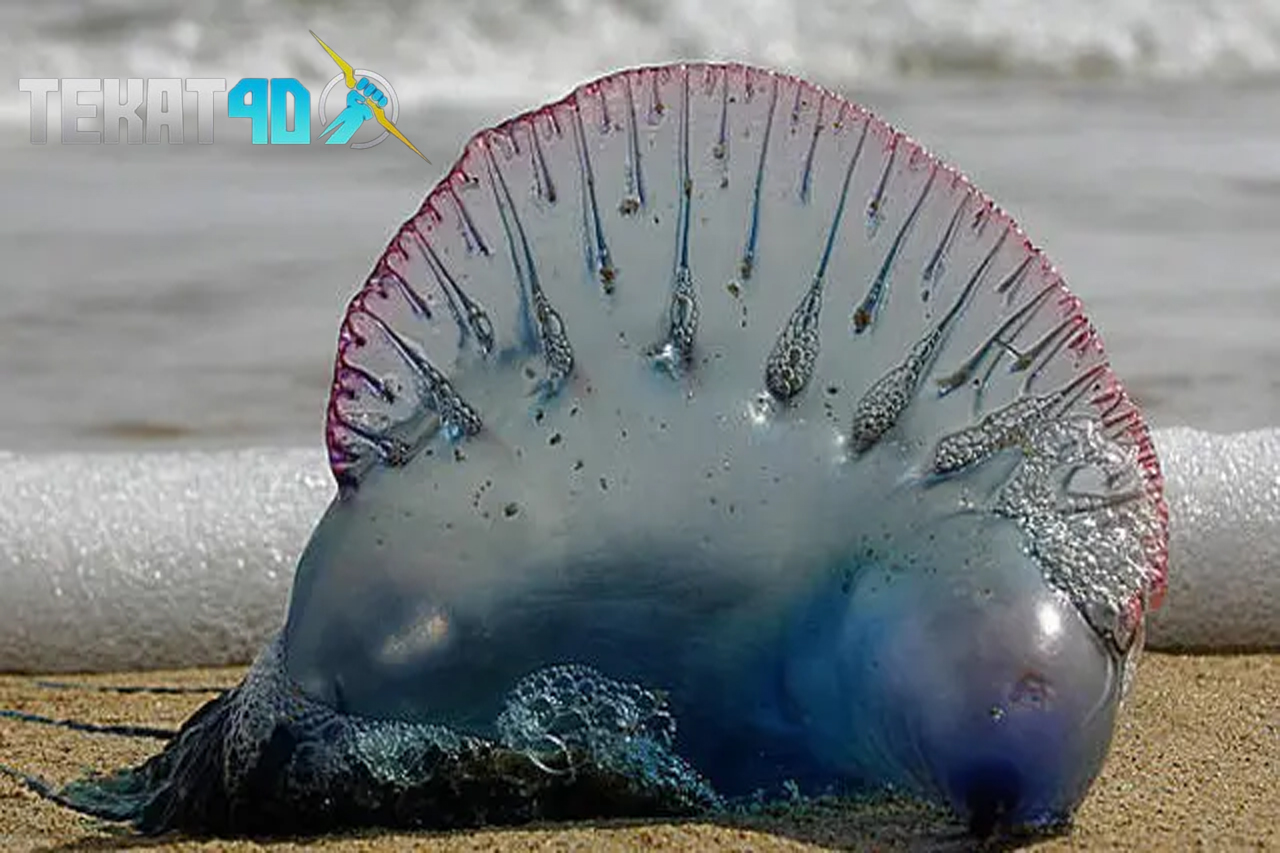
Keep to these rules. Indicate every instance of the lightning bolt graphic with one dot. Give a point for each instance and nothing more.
(349, 75)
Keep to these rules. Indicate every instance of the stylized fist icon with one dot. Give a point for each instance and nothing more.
(365, 89)
(357, 112)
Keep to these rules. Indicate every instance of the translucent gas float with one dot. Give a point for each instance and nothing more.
(701, 438)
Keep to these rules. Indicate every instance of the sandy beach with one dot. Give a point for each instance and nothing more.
(1194, 766)
(185, 297)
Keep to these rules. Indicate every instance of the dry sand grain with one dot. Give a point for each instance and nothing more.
(1196, 765)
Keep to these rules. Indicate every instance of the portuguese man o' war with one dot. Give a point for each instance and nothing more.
(701, 438)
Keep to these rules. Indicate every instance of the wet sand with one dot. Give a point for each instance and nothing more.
(1196, 764)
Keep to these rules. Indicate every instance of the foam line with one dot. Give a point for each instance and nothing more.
(1224, 541)
(153, 560)
(150, 560)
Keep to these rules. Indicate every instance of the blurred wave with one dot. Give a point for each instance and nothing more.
(443, 51)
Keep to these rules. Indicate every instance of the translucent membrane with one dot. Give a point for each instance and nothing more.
(707, 380)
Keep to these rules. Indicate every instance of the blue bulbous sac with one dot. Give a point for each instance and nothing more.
(701, 437)
(918, 643)
(982, 688)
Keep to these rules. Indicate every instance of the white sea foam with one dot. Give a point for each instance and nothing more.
(132, 561)
(1224, 540)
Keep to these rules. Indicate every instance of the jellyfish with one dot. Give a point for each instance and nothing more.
(701, 438)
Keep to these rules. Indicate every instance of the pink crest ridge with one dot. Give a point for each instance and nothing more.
(628, 103)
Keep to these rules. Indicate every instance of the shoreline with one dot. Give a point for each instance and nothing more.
(1194, 764)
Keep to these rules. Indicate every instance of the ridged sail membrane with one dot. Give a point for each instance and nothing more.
(711, 381)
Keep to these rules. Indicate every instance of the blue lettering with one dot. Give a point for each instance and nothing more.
(282, 88)
(248, 99)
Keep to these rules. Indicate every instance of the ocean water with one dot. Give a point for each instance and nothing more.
(189, 296)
